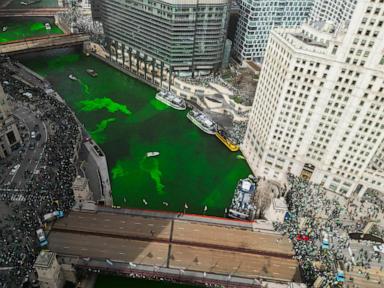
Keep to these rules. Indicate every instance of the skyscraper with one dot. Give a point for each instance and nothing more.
(177, 37)
(258, 17)
(319, 106)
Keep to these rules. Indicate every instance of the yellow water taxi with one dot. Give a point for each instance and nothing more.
(231, 145)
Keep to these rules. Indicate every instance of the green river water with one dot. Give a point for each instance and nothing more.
(123, 116)
(20, 29)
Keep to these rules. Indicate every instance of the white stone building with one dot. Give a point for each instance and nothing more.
(319, 106)
(48, 270)
(258, 17)
(337, 11)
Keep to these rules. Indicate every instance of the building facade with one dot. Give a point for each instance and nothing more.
(9, 134)
(319, 106)
(258, 17)
(165, 38)
(338, 12)
(48, 270)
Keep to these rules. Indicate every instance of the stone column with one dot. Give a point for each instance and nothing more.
(153, 70)
(145, 67)
(170, 78)
(130, 58)
(161, 73)
(123, 52)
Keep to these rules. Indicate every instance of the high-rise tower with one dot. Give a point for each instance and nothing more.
(319, 105)
(258, 17)
(178, 37)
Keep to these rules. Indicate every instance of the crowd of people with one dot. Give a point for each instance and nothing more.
(50, 189)
(319, 227)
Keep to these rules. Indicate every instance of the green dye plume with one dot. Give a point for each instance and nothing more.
(84, 88)
(37, 26)
(98, 134)
(151, 165)
(118, 170)
(104, 103)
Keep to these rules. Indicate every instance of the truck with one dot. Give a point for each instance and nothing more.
(325, 242)
(41, 237)
(59, 214)
(53, 215)
(340, 278)
(49, 217)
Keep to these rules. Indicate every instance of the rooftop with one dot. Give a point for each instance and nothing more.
(45, 259)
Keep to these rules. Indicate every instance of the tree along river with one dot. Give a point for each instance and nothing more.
(124, 118)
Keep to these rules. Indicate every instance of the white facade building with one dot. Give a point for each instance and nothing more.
(337, 11)
(319, 106)
(258, 17)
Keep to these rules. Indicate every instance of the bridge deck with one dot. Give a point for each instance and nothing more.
(174, 244)
(44, 42)
(143, 228)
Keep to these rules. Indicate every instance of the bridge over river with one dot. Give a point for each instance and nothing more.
(175, 247)
(29, 12)
(41, 43)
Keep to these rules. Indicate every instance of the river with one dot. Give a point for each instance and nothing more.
(123, 116)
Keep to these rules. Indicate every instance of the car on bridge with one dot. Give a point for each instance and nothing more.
(41, 237)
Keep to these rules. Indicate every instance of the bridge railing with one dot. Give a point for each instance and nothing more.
(37, 38)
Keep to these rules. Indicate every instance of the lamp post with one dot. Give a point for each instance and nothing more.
(181, 271)
(132, 265)
(229, 279)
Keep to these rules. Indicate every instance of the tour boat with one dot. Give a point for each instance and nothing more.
(92, 72)
(72, 77)
(230, 143)
(202, 121)
(243, 206)
(5, 28)
(47, 26)
(171, 100)
(153, 154)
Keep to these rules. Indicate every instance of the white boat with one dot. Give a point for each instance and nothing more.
(202, 121)
(5, 28)
(72, 77)
(171, 100)
(242, 205)
(152, 154)
(92, 72)
(47, 26)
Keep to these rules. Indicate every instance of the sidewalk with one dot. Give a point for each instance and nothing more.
(261, 226)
